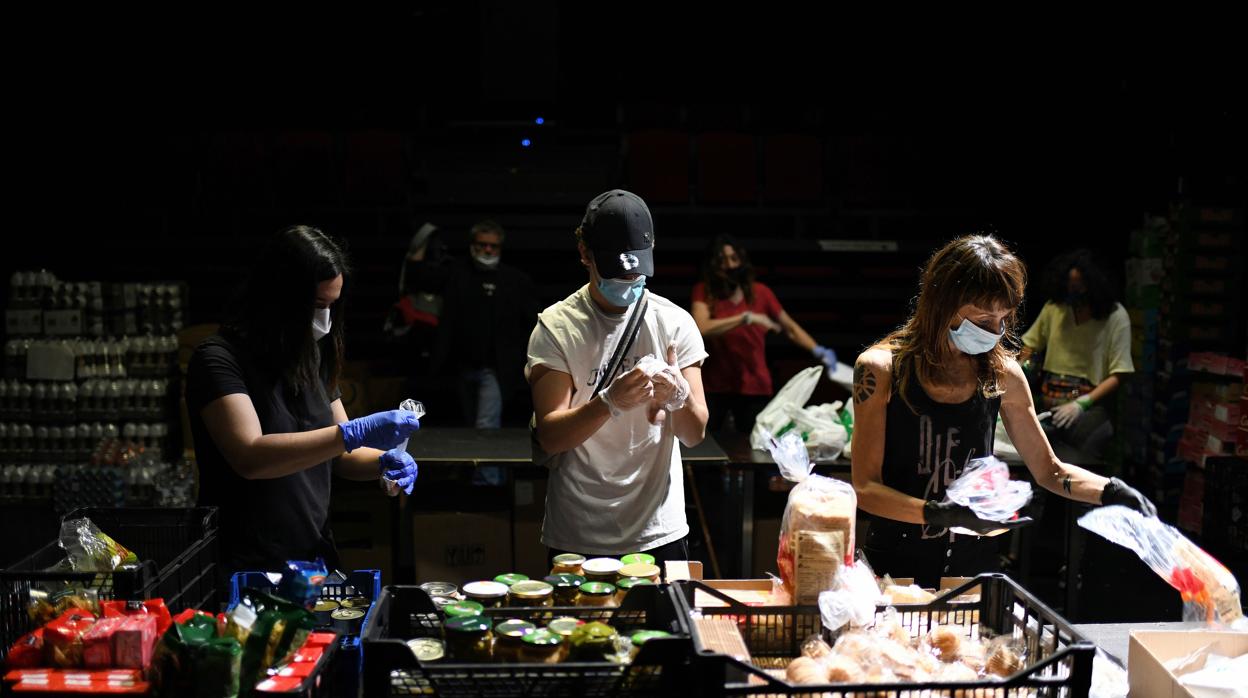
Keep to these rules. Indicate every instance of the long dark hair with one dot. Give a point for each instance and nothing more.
(272, 315)
(975, 269)
(1100, 294)
(717, 287)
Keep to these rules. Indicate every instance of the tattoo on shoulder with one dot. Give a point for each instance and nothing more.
(864, 382)
(1066, 484)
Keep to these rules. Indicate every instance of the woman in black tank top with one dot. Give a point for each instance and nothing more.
(926, 400)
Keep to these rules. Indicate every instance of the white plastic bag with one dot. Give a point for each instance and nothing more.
(985, 488)
(791, 398)
(1209, 590)
(817, 529)
(852, 599)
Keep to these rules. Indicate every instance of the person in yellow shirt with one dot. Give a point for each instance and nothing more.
(1084, 335)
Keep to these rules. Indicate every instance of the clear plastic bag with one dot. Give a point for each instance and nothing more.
(89, 549)
(1209, 590)
(985, 488)
(817, 529)
(652, 366)
(852, 598)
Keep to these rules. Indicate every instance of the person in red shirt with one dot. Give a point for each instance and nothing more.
(735, 312)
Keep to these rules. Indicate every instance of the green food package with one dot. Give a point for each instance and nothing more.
(217, 664)
(190, 660)
(269, 630)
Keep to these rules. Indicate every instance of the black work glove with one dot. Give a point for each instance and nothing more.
(949, 514)
(1119, 492)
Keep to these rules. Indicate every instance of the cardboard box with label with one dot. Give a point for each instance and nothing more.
(1150, 650)
(461, 547)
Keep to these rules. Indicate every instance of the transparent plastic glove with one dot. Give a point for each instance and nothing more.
(825, 355)
(671, 390)
(398, 471)
(986, 489)
(382, 430)
(627, 392)
(1065, 416)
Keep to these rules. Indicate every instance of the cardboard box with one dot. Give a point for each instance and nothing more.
(530, 502)
(461, 547)
(1151, 649)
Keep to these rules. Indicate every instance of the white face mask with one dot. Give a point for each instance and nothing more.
(320, 323)
(489, 261)
(973, 339)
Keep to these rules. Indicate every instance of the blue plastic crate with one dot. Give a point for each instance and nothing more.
(359, 583)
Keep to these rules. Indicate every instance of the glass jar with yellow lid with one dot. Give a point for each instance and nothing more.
(567, 563)
(530, 592)
(641, 569)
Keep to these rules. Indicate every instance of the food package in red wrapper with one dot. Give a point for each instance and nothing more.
(280, 684)
(154, 607)
(97, 643)
(62, 638)
(134, 641)
(60, 681)
(817, 530)
(27, 651)
(320, 639)
(308, 654)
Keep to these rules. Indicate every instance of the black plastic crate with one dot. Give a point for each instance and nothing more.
(1059, 658)
(177, 549)
(406, 612)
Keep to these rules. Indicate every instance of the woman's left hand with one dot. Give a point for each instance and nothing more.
(400, 468)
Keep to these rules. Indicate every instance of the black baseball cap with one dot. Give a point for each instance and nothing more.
(618, 229)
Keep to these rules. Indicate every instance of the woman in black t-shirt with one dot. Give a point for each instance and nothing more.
(266, 415)
(926, 399)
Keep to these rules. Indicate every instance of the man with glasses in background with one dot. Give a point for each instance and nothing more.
(488, 313)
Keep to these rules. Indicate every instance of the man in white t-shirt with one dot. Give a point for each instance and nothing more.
(616, 481)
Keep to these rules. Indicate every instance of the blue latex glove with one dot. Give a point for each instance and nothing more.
(383, 430)
(826, 355)
(398, 467)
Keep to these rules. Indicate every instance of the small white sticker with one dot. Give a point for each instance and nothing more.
(629, 262)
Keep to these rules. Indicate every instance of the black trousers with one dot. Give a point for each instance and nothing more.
(900, 551)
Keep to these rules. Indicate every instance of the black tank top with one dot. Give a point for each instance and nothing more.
(927, 450)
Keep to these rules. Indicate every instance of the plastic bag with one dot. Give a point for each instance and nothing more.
(791, 398)
(817, 529)
(1210, 592)
(852, 599)
(91, 550)
(653, 366)
(986, 488)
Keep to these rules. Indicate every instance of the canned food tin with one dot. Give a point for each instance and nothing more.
(355, 602)
(427, 649)
(439, 588)
(347, 620)
(323, 610)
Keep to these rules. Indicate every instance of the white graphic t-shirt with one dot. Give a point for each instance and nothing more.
(623, 489)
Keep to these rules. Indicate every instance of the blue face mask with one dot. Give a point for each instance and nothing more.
(973, 339)
(622, 292)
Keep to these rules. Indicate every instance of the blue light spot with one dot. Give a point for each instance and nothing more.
(540, 121)
(526, 143)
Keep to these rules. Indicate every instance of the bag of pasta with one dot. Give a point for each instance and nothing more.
(817, 529)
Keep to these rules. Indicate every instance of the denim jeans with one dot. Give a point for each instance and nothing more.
(481, 398)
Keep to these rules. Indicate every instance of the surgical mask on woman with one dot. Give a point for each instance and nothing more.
(973, 339)
(320, 323)
(622, 292)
